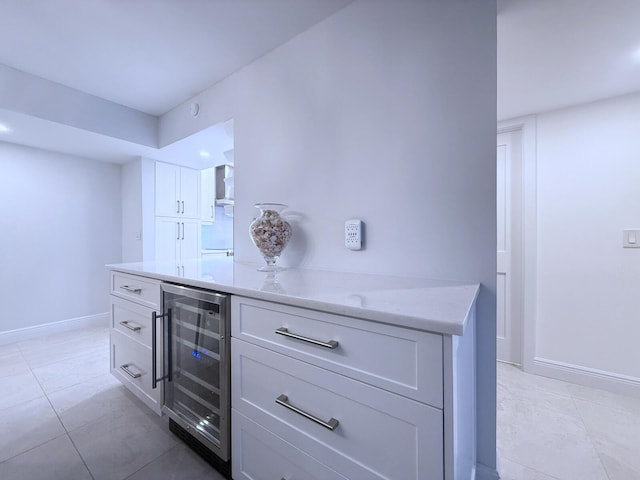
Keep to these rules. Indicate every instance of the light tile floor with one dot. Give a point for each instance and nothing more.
(64, 417)
(553, 430)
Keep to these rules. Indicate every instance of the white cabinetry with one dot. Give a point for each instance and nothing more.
(133, 300)
(359, 399)
(208, 194)
(177, 216)
(177, 191)
(177, 242)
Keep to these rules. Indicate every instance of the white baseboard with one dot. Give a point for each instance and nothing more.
(485, 473)
(28, 333)
(590, 377)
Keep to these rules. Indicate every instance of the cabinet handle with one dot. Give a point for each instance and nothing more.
(125, 369)
(211, 211)
(332, 424)
(178, 206)
(125, 324)
(285, 331)
(182, 230)
(178, 234)
(131, 289)
(182, 206)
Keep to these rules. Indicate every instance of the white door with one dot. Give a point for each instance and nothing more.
(508, 315)
(167, 185)
(189, 193)
(207, 195)
(168, 233)
(189, 246)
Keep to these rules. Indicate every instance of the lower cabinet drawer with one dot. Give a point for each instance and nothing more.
(397, 359)
(259, 455)
(358, 430)
(131, 364)
(145, 291)
(131, 319)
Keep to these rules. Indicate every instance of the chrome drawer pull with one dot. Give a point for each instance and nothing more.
(125, 324)
(285, 331)
(131, 289)
(332, 424)
(125, 369)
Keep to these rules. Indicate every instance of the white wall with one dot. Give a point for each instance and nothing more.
(131, 206)
(138, 210)
(385, 112)
(588, 192)
(60, 226)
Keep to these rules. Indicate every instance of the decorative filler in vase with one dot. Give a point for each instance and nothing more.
(270, 233)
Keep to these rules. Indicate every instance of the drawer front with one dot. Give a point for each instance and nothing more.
(131, 364)
(132, 320)
(142, 290)
(397, 359)
(258, 454)
(379, 435)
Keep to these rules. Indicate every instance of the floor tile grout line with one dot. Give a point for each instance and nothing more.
(34, 447)
(46, 395)
(67, 433)
(570, 397)
(586, 429)
(553, 477)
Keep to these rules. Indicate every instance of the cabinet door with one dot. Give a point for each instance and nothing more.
(168, 233)
(167, 185)
(189, 193)
(207, 195)
(189, 240)
(189, 246)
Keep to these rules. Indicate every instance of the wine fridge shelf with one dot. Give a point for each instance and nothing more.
(196, 348)
(198, 330)
(199, 381)
(208, 405)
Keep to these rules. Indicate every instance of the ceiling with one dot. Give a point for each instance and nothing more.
(149, 55)
(152, 55)
(557, 53)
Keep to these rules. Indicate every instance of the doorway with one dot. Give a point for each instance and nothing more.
(509, 287)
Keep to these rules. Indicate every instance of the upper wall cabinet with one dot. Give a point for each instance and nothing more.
(177, 191)
(208, 195)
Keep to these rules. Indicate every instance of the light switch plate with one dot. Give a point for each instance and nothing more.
(631, 238)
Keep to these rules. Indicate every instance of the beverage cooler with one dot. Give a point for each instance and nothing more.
(197, 370)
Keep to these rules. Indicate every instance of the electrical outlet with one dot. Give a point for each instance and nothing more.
(353, 234)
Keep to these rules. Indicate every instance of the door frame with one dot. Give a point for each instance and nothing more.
(528, 235)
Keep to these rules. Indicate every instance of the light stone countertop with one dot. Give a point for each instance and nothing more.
(441, 307)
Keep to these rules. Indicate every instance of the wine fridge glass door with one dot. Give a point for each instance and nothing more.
(196, 391)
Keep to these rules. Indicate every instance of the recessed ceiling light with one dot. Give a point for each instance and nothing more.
(4, 128)
(204, 154)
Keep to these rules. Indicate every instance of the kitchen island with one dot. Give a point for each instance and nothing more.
(341, 375)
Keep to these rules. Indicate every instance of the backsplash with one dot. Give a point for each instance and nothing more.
(218, 235)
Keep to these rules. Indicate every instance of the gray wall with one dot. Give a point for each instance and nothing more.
(61, 225)
(386, 112)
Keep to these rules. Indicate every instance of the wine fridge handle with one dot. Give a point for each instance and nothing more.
(154, 351)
